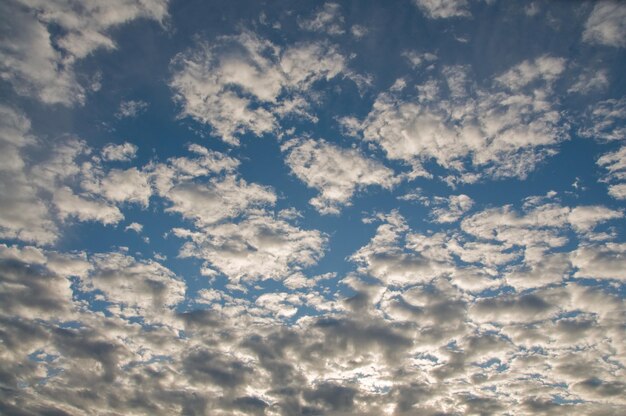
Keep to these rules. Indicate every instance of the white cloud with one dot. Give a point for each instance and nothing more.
(457, 205)
(234, 85)
(606, 24)
(71, 205)
(545, 68)
(358, 31)
(540, 226)
(606, 261)
(334, 171)
(131, 108)
(443, 9)
(23, 215)
(135, 288)
(418, 59)
(327, 19)
(494, 132)
(218, 199)
(386, 257)
(604, 120)
(130, 185)
(257, 248)
(615, 164)
(590, 81)
(40, 64)
(549, 269)
(119, 152)
(134, 226)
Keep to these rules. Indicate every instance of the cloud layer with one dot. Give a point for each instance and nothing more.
(347, 209)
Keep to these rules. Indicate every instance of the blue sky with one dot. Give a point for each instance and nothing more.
(312, 208)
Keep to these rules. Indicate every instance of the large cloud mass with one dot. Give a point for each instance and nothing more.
(356, 208)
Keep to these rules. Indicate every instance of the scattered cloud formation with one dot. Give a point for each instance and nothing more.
(131, 108)
(124, 152)
(335, 172)
(327, 19)
(45, 40)
(356, 208)
(615, 164)
(442, 9)
(605, 25)
(503, 131)
(245, 83)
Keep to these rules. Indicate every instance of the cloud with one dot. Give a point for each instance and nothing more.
(218, 199)
(133, 288)
(614, 163)
(259, 247)
(605, 25)
(71, 205)
(131, 109)
(56, 36)
(457, 205)
(605, 261)
(23, 215)
(590, 81)
(119, 152)
(334, 171)
(130, 185)
(502, 131)
(327, 19)
(442, 9)
(545, 68)
(243, 83)
(134, 226)
(386, 258)
(469, 303)
(603, 120)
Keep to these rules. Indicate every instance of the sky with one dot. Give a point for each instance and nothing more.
(408, 207)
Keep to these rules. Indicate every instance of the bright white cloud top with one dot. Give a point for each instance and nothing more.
(339, 208)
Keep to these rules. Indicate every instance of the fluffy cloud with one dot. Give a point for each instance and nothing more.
(234, 231)
(614, 163)
(259, 247)
(386, 258)
(454, 208)
(600, 262)
(442, 9)
(23, 215)
(471, 303)
(334, 171)
(503, 131)
(131, 109)
(605, 25)
(327, 19)
(46, 71)
(119, 152)
(144, 289)
(211, 202)
(604, 120)
(85, 209)
(235, 84)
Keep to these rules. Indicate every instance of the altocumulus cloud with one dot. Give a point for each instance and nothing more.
(342, 209)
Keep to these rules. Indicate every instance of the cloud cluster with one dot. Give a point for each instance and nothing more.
(605, 25)
(504, 130)
(421, 337)
(442, 9)
(234, 231)
(327, 19)
(337, 173)
(45, 39)
(245, 84)
(469, 303)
